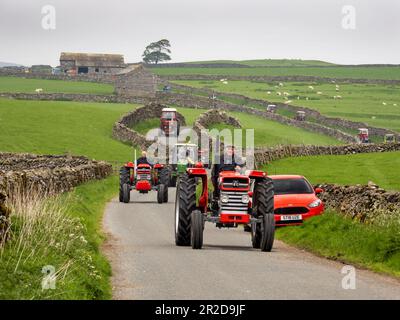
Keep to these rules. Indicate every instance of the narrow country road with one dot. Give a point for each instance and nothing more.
(147, 265)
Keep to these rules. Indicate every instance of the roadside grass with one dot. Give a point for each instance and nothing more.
(338, 237)
(64, 232)
(25, 85)
(58, 127)
(376, 105)
(358, 72)
(381, 168)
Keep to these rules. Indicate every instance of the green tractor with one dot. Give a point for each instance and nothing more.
(184, 155)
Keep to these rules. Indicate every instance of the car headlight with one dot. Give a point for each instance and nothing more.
(245, 198)
(224, 198)
(315, 203)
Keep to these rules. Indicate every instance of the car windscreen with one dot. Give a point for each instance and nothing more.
(291, 186)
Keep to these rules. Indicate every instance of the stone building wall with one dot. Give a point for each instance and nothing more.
(136, 81)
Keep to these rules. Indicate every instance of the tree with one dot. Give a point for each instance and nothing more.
(157, 52)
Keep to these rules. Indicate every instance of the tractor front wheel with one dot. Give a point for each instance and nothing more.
(126, 193)
(196, 238)
(160, 193)
(263, 199)
(165, 195)
(185, 203)
(124, 177)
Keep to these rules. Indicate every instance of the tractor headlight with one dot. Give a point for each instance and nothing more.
(315, 203)
(224, 198)
(245, 198)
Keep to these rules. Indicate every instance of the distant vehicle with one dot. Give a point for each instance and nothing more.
(295, 200)
(271, 108)
(389, 138)
(363, 135)
(300, 116)
(169, 122)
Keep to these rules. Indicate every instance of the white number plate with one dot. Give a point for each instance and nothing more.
(291, 217)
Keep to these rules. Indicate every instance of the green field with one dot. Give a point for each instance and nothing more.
(381, 168)
(269, 62)
(266, 132)
(17, 84)
(391, 72)
(62, 127)
(376, 105)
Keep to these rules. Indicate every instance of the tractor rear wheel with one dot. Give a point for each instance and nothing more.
(124, 177)
(263, 200)
(126, 193)
(160, 193)
(185, 203)
(196, 238)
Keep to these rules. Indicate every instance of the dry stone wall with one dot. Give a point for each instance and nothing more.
(43, 174)
(366, 203)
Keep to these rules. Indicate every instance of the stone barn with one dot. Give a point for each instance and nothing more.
(91, 63)
(136, 80)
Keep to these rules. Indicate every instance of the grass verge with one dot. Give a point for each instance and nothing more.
(61, 232)
(337, 237)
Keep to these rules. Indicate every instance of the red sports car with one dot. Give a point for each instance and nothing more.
(295, 200)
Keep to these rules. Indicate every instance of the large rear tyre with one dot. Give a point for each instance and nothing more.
(185, 203)
(124, 177)
(126, 193)
(196, 238)
(263, 200)
(160, 193)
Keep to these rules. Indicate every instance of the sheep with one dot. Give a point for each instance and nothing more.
(288, 101)
(286, 93)
(384, 103)
(268, 92)
(311, 87)
(39, 90)
(225, 82)
(337, 97)
(280, 84)
(307, 98)
(319, 92)
(279, 93)
(395, 104)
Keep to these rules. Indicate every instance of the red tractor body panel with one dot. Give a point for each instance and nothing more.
(143, 185)
(238, 218)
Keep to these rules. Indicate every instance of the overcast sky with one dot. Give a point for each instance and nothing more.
(203, 29)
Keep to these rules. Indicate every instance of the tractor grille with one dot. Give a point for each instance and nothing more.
(144, 176)
(291, 210)
(234, 204)
(235, 183)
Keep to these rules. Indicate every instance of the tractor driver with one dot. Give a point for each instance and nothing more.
(229, 161)
(143, 159)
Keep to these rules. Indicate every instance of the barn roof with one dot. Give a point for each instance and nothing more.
(93, 59)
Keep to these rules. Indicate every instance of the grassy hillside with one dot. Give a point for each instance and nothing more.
(377, 105)
(266, 132)
(331, 72)
(381, 168)
(59, 127)
(17, 84)
(269, 62)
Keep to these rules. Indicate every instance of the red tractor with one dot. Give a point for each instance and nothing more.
(142, 178)
(244, 199)
(169, 122)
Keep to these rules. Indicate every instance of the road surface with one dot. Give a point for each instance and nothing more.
(146, 263)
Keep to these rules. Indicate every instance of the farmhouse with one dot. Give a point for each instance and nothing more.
(91, 63)
(136, 80)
